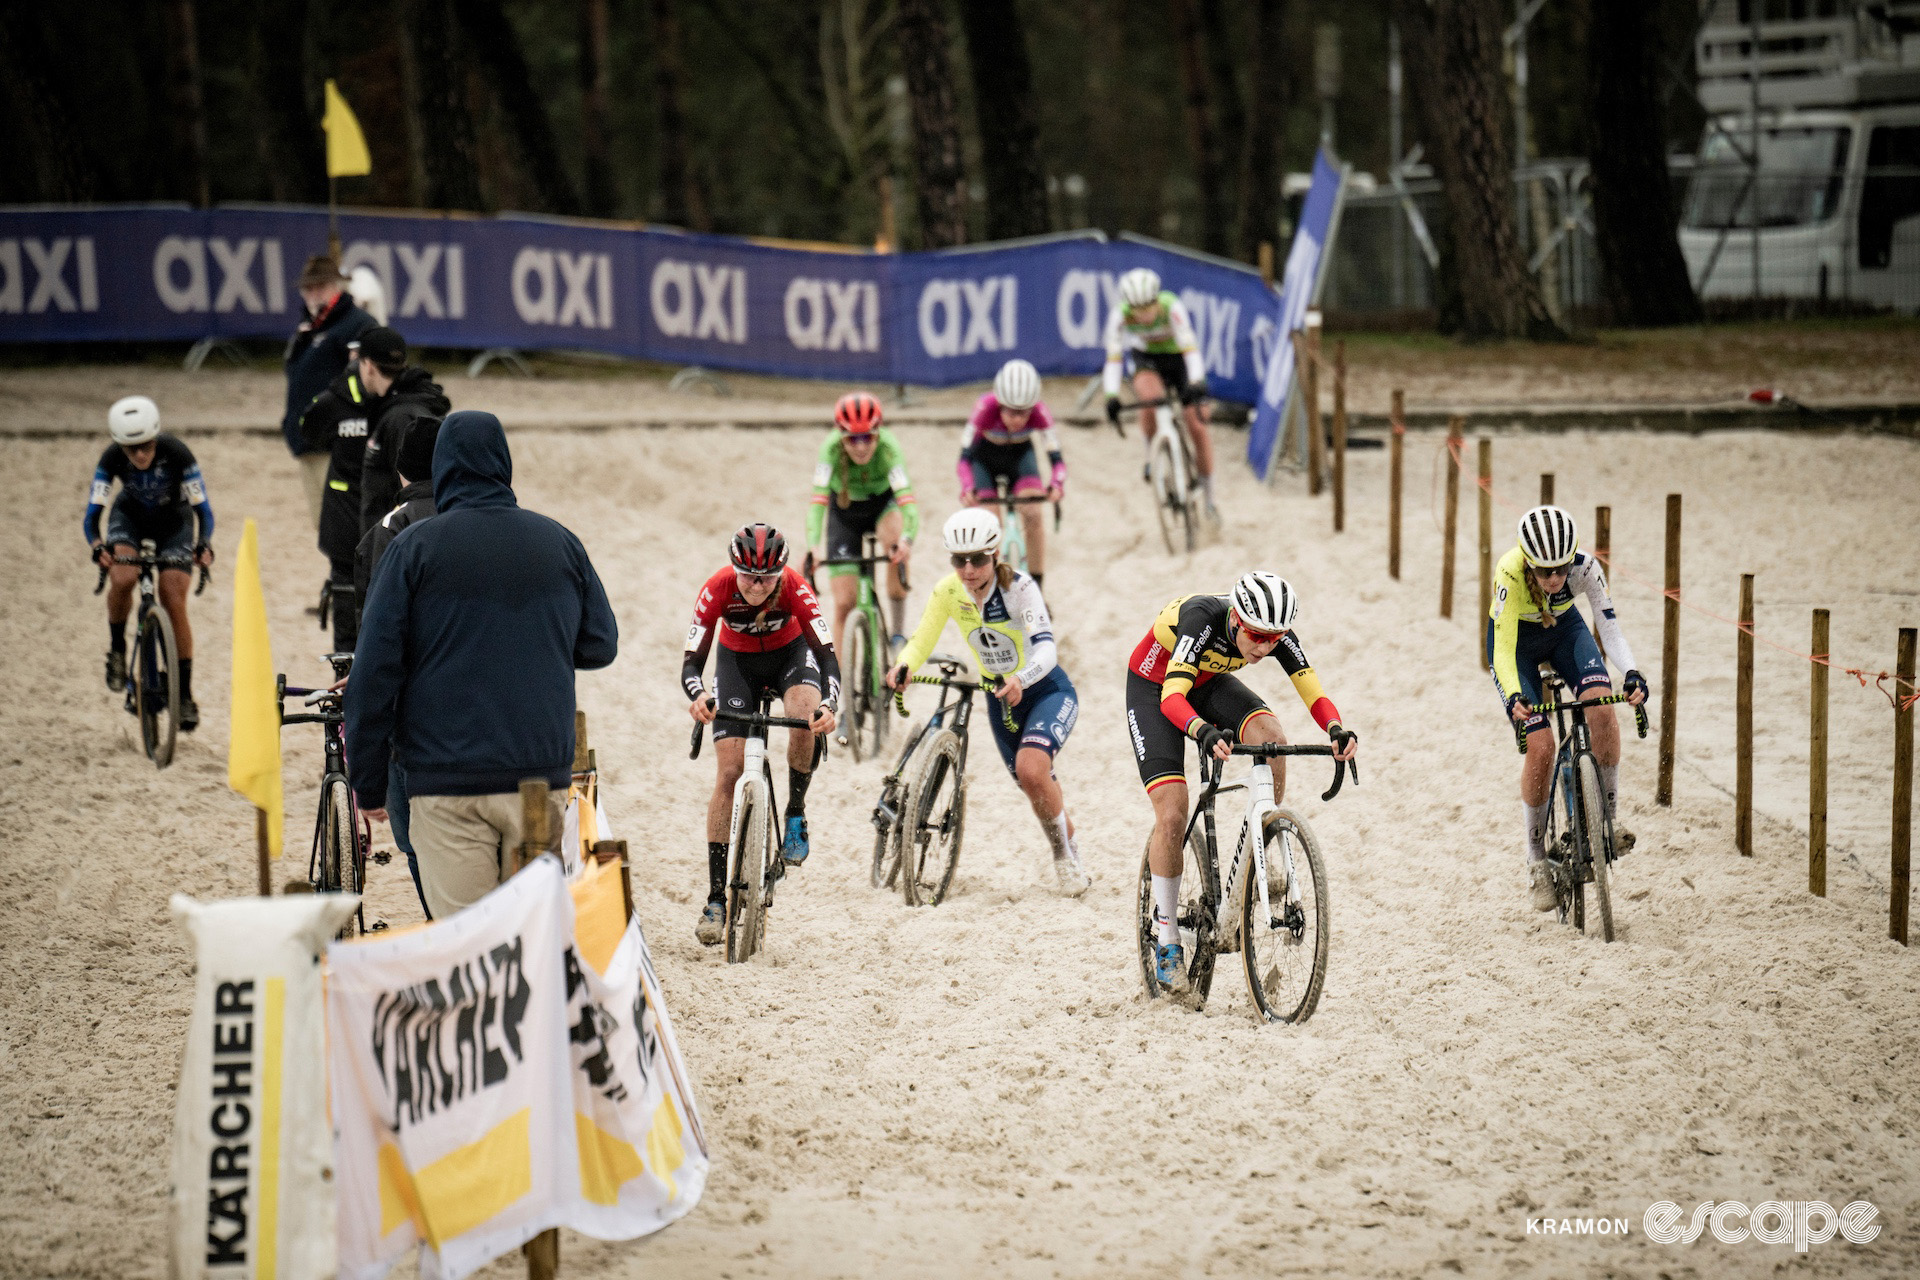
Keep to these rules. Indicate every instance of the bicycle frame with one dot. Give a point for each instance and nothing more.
(1013, 530)
(1261, 804)
(331, 717)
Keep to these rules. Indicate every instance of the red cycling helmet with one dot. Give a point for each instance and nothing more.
(759, 548)
(857, 414)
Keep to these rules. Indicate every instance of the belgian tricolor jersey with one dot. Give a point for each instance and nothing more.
(1189, 644)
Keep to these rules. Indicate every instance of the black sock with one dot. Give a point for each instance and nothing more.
(117, 636)
(186, 679)
(716, 871)
(797, 792)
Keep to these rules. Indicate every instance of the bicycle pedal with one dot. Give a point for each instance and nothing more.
(382, 857)
(378, 926)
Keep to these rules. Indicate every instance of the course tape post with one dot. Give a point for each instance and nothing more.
(1902, 696)
(146, 273)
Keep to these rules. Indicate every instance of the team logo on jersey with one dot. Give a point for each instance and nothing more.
(998, 655)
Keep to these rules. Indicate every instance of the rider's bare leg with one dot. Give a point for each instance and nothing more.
(1147, 386)
(173, 598)
(120, 583)
(730, 760)
(846, 591)
(1036, 540)
(891, 529)
(1164, 855)
(1535, 771)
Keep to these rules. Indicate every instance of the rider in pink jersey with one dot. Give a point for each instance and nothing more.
(1009, 423)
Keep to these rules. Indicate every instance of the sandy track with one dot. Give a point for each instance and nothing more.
(980, 1087)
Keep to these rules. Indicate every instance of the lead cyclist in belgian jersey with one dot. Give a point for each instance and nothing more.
(162, 497)
(1008, 424)
(1004, 619)
(860, 486)
(1179, 686)
(1150, 334)
(1532, 620)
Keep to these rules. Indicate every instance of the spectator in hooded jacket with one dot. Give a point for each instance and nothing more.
(316, 355)
(415, 395)
(475, 623)
(378, 384)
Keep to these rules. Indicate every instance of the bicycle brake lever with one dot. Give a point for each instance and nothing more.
(1640, 719)
(206, 576)
(695, 753)
(1339, 776)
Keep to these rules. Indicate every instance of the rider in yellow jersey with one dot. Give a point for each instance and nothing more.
(1004, 619)
(1532, 620)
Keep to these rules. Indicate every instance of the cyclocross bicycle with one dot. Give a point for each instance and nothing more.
(1584, 853)
(754, 865)
(1276, 917)
(1171, 475)
(922, 814)
(342, 838)
(864, 652)
(1013, 530)
(153, 694)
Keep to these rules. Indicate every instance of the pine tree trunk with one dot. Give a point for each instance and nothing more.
(681, 201)
(1634, 217)
(498, 46)
(62, 171)
(1009, 122)
(1202, 141)
(449, 156)
(1258, 215)
(186, 104)
(1224, 25)
(921, 29)
(596, 131)
(292, 147)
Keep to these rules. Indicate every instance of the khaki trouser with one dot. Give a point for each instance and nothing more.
(313, 478)
(466, 845)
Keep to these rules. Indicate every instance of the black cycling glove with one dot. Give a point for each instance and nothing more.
(1209, 736)
(1633, 682)
(1194, 392)
(1340, 735)
(1113, 410)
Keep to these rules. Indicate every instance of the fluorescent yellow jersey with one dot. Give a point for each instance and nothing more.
(1010, 634)
(1513, 604)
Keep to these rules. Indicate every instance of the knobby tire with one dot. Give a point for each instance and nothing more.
(1285, 977)
(936, 797)
(157, 687)
(1593, 820)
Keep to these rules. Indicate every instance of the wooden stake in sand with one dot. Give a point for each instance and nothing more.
(260, 851)
(1453, 515)
(1603, 552)
(1486, 538)
(1743, 725)
(1902, 787)
(1670, 654)
(1397, 440)
(1316, 429)
(1339, 435)
(1546, 488)
(1817, 761)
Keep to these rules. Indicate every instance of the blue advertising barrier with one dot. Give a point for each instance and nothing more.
(151, 273)
(1299, 289)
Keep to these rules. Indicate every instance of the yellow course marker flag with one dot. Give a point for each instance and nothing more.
(253, 751)
(347, 155)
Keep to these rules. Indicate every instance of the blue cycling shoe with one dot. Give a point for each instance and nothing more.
(793, 850)
(1170, 966)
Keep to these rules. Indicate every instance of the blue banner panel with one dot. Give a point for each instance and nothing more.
(1297, 290)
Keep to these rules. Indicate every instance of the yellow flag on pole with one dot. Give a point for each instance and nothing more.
(346, 146)
(253, 751)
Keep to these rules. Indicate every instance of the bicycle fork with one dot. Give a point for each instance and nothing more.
(1260, 806)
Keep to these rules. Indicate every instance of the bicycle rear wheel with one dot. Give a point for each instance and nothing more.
(340, 868)
(1168, 503)
(1593, 829)
(157, 687)
(1283, 946)
(856, 670)
(933, 822)
(746, 887)
(1193, 937)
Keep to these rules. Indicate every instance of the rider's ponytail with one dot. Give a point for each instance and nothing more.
(1539, 600)
(1004, 573)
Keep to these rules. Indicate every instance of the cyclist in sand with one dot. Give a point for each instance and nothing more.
(1008, 424)
(860, 486)
(1150, 335)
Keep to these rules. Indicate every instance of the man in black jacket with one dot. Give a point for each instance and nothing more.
(413, 395)
(316, 355)
(475, 623)
(379, 384)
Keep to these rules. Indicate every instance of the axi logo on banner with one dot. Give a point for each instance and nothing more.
(961, 317)
(552, 286)
(436, 275)
(252, 275)
(47, 260)
(717, 314)
(833, 315)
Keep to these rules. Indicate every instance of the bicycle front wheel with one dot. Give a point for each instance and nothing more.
(1593, 830)
(157, 687)
(1169, 503)
(1284, 944)
(339, 864)
(856, 669)
(746, 886)
(933, 823)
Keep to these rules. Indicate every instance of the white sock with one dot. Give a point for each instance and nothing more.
(1166, 908)
(1057, 836)
(1536, 820)
(1610, 786)
(1206, 487)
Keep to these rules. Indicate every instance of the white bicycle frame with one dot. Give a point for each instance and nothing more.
(754, 777)
(1258, 784)
(1164, 427)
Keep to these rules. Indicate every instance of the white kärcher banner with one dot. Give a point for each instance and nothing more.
(452, 1089)
(252, 1157)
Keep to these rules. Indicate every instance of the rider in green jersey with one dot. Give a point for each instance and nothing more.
(860, 486)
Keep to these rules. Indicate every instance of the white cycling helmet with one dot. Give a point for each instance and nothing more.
(971, 529)
(1017, 385)
(1548, 537)
(1140, 286)
(1265, 601)
(133, 420)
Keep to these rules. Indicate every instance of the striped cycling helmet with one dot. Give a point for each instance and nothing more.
(1548, 537)
(759, 548)
(1264, 602)
(857, 414)
(1017, 385)
(1140, 286)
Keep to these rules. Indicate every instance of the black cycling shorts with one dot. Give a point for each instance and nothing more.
(740, 678)
(1159, 748)
(846, 526)
(1170, 365)
(170, 528)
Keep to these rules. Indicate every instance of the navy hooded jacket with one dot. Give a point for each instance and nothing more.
(475, 622)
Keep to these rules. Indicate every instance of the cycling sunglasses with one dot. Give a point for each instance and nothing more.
(972, 560)
(1262, 637)
(758, 579)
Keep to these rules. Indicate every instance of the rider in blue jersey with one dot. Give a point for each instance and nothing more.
(162, 497)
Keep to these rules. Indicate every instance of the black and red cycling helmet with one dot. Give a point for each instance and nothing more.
(759, 548)
(857, 414)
